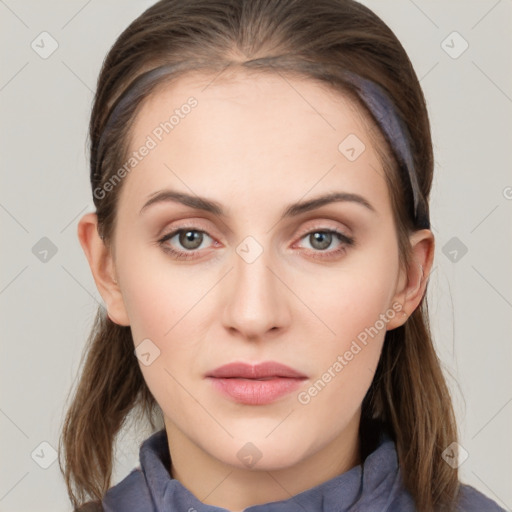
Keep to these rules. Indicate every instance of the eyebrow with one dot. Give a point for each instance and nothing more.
(208, 205)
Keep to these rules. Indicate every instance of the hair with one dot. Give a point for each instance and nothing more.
(314, 41)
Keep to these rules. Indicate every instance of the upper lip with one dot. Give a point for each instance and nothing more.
(255, 371)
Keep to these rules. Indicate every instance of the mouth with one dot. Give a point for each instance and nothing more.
(258, 384)
(260, 371)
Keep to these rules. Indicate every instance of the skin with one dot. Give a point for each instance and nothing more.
(255, 145)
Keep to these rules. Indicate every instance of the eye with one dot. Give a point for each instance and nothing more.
(321, 239)
(190, 238)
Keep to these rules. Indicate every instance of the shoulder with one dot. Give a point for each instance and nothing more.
(90, 506)
(147, 483)
(471, 500)
(130, 494)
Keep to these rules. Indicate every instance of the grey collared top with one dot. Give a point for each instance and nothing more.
(374, 486)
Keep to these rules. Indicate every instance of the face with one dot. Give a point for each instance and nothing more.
(254, 281)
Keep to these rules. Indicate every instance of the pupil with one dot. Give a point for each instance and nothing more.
(188, 237)
(323, 238)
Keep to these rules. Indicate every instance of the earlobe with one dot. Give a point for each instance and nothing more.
(102, 267)
(414, 280)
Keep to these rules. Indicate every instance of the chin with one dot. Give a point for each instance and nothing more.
(259, 451)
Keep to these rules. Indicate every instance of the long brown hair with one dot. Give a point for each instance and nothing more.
(315, 40)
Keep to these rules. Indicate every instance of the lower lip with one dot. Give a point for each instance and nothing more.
(255, 392)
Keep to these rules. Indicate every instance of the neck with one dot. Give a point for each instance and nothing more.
(223, 485)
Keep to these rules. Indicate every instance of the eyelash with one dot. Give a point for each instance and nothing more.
(345, 240)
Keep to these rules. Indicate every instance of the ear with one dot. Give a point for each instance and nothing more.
(102, 266)
(412, 281)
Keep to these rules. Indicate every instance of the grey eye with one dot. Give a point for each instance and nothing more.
(190, 239)
(320, 239)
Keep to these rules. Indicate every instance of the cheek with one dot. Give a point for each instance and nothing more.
(354, 307)
(157, 294)
(351, 298)
(163, 308)
(346, 364)
(163, 302)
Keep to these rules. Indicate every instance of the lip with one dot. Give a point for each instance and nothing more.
(257, 384)
(255, 371)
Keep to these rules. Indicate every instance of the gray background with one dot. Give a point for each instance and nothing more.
(47, 307)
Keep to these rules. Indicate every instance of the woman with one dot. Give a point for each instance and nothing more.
(261, 173)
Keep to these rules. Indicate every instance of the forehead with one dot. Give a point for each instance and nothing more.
(250, 90)
(249, 133)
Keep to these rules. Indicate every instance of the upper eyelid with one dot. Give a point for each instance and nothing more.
(193, 224)
(319, 227)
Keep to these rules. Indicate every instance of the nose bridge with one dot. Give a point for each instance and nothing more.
(255, 299)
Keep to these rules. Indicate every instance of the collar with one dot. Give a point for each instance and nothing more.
(373, 485)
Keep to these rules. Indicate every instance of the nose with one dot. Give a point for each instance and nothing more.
(256, 298)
